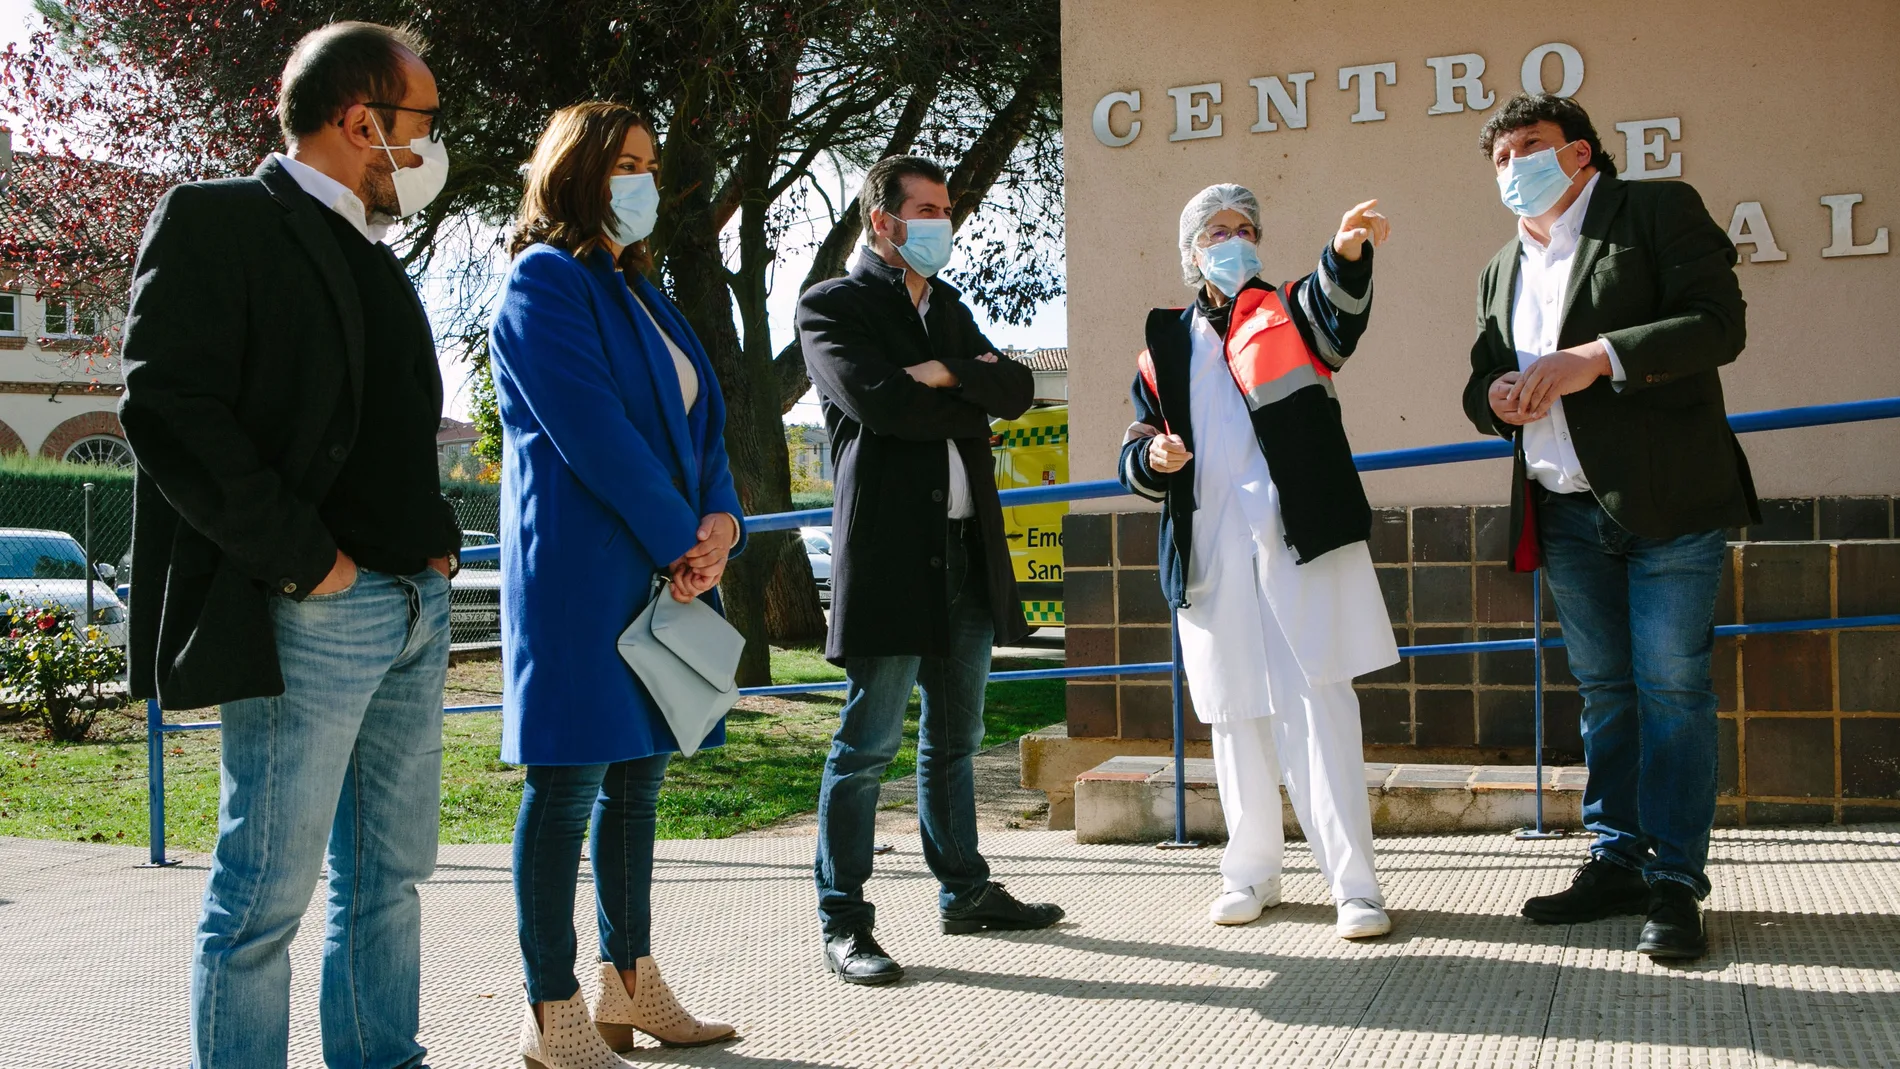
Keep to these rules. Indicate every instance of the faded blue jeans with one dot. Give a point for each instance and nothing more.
(558, 804)
(348, 758)
(870, 730)
(1638, 617)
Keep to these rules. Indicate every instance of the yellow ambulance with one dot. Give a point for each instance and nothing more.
(1034, 451)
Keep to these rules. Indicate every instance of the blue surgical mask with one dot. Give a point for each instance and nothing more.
(635, 199)
(926, 246)
(1230, 265)
(1532, 185)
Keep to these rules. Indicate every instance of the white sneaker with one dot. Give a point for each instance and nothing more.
(1362, 918)
(1245, 905)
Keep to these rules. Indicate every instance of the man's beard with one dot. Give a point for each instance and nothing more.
(379, 190)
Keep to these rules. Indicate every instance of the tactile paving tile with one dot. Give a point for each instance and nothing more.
(1804, 968)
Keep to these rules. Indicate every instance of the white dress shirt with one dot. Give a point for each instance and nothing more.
(961, 507)
(1537, 312)
(337, 197)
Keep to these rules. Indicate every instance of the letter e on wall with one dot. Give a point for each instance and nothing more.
(1640, 147)
(1191, 104)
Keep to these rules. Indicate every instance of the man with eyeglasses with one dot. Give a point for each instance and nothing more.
(282, 398)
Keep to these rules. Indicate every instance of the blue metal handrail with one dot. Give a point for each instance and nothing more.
(1454, 453)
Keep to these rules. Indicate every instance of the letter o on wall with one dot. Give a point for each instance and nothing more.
(84, 425)
(10, 441)
(1103, 133)
(1533, 72)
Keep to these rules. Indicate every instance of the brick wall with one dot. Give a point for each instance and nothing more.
(1810, 728)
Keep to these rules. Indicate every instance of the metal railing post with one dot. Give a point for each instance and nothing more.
(90, 565)
(155, 782)
(1538, 831)
(1180, 840)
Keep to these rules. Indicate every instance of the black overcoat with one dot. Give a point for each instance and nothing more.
(890, 525)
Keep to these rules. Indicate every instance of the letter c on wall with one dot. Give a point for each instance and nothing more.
(1103, 133)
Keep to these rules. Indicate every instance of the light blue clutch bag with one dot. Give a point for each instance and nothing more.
(688, 657)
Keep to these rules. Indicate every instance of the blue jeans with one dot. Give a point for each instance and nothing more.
(871, 728)
(349, 756)
(1638, 616)
(556, 804)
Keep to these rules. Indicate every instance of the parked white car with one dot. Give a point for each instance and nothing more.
(41, 566)
(818, 552)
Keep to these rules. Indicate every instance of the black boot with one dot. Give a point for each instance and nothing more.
(996, 909)
(1674, 931)
(857, 959)
(1601, 889)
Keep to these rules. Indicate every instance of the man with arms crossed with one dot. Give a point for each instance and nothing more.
(922, 585)
(282, 397)
(1600, 328)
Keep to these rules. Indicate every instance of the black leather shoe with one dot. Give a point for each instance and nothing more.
(1674, 931)
(1601, 889)
(857, 959)
(998, 910)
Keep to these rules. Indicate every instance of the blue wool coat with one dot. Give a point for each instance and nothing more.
(604, 478)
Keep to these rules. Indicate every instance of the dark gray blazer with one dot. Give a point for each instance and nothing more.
(243, 373)
(1656, 276)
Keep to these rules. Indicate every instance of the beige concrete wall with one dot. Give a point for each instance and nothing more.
(1779, 103)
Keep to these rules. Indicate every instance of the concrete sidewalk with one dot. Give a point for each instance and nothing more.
(1805, 968)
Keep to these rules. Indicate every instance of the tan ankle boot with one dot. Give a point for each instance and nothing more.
(651, 1009)
(566, 1038)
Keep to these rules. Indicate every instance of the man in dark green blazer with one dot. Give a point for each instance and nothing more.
(1601, 326)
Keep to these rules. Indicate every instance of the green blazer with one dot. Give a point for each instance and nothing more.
(1655, 276)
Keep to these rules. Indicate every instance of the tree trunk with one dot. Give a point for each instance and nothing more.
(792, 615)
(698, 273)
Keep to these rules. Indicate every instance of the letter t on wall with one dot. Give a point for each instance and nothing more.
(1476, 95)
(1368, 76)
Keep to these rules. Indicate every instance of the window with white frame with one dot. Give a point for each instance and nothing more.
(66, 317)
(9, 313)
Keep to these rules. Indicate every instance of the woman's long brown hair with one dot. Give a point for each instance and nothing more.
(565, 202)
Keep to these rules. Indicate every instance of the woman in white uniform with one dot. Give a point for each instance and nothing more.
(1263, 543)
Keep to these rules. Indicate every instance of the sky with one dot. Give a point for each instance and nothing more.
(1049, 329)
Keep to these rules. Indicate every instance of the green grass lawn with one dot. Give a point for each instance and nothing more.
(767, 771)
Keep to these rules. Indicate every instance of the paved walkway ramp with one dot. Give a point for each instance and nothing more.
(1804, 971)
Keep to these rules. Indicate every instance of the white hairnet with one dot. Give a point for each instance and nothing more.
(1204, 206)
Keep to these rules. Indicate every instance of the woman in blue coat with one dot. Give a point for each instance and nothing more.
(615, 470)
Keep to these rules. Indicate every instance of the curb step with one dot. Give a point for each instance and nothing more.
(1131, 799)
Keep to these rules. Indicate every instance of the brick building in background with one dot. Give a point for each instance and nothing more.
(59, 372)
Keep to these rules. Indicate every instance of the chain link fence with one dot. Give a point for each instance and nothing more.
(66, 538)
(475, 594)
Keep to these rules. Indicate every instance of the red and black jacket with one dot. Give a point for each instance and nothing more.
(1283, 346)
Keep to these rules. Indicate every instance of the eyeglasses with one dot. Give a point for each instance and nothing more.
(1216, 235)
(434, 114)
